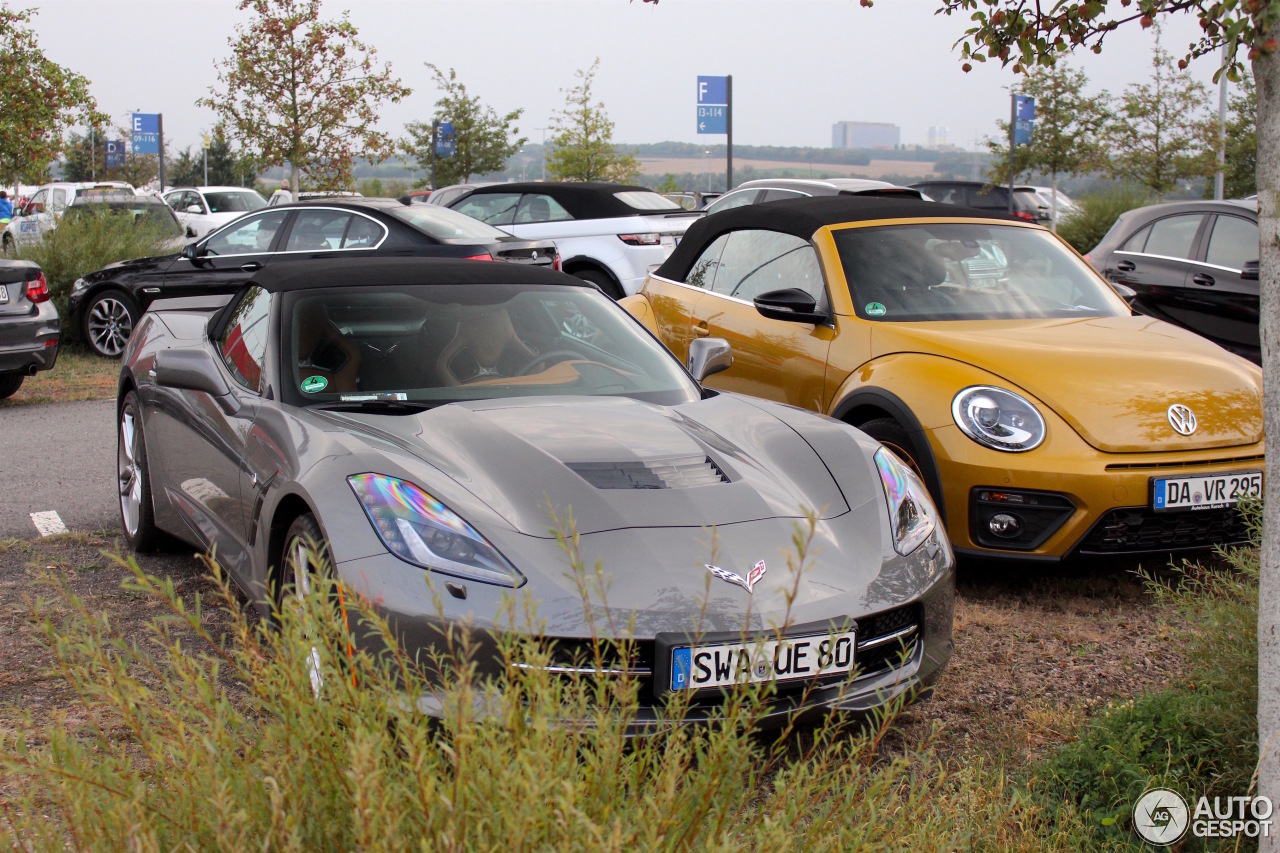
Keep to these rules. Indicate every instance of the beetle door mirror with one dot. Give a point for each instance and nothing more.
(792, 304)
(708, 356)
(1250, 271)
(1127, 293)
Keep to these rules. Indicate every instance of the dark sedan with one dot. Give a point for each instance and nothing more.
(107, 304)
(29, 326)
(1193, 264)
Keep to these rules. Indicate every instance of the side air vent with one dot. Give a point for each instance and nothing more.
(675, 472)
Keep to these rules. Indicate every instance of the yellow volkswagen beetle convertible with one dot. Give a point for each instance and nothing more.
(1045, 418)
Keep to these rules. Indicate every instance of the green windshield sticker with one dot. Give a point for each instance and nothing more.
(875, 309)
(314, 384)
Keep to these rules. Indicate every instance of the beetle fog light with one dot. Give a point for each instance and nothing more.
(1004, 525)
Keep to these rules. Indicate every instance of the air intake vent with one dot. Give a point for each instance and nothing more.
(676, 472)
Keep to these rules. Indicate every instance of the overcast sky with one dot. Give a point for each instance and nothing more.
(797, 65)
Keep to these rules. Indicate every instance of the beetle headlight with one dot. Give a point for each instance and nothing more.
(912, 516)
(419, 529)
(998, 419)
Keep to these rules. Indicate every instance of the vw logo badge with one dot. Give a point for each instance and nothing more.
(535, 254)
(1182, 419)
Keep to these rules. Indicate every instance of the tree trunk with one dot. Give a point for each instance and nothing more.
(1266, 71)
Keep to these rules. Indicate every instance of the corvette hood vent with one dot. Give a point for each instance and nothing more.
(673, 472)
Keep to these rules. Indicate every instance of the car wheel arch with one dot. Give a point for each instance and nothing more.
(288, 509)
(580, 264)
(867, 404)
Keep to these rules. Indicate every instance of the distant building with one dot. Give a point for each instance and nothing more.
(865, 134)
(938, 137)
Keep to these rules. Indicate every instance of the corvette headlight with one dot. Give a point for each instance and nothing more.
(419, 529)
(911, 514)
(998, 419)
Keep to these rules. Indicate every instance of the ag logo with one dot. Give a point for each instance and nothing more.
(1161, 816)
(1182, 419)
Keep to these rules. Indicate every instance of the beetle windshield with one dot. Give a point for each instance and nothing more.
(442, 343)
(968, 271)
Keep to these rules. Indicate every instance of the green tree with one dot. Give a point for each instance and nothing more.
(138, 169)
(40, 100)
(582, 146)
(303, 91)
(669, 184)
(1026, 35)
(1163, 134)
(485, 139)
(1068, 128)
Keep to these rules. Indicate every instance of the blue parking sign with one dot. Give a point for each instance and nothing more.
(146, 133)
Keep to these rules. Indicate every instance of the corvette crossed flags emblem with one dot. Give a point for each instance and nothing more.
(748, 583)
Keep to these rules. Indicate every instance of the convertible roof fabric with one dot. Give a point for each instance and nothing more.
(804, 216)
(311, 273)
(583, 200)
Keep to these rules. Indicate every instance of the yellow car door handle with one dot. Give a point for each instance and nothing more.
(700, 330)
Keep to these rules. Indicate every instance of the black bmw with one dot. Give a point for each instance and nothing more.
(106, 305)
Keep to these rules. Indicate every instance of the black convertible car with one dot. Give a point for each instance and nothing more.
(106, 304)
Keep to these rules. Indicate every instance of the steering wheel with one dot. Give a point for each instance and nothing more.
(558, 355)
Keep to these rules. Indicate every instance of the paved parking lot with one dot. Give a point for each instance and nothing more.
(58, 457)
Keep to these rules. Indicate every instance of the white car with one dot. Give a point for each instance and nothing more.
(204, 209)
(42, 211)
(608, 234)
(772, 189)
(1066, 207)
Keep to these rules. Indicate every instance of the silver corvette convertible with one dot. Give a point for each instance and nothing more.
(423, 420)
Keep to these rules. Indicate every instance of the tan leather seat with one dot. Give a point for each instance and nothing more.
(324, 351)
(485, 334)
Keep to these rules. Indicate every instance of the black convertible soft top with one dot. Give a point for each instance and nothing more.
(584, 199)
(308, 273)
(802, 217)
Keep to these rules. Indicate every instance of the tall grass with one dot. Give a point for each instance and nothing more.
(289, 735)
(1198, 737)
(1098, 212)
(89, 241)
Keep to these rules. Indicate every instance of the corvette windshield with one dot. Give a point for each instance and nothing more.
(444, 343)
(968, 271)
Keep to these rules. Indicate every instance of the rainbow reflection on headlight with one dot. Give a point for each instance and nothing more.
(421, 530)
(911, 512)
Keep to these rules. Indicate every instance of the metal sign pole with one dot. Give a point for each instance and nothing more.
(728, 82)
(435, 131)
(1013, 123)
(160, 128)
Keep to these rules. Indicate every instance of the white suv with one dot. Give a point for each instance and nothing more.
(609, 234)
(43, 210)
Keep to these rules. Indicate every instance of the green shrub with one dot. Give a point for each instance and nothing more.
(1199, 737)
(88, 242)
(1098, 212)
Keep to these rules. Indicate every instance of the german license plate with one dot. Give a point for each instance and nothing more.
(1213, 491)
(4, 294)
(785, 659)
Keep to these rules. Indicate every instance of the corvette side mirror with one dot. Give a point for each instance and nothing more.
(194, 370)
(708, 356)
(790, 303)
(1250, 271)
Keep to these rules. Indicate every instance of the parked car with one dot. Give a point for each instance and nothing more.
(979, 196)
(425, 480)
(1065, 205)
(693, 199)
(202, 209)
(772, 189)
(1192, 263)
(608, 234)
(108, 303)
(1046, 419)
(30, 330)
(278, 198)
(46, 205)
(415, 197)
